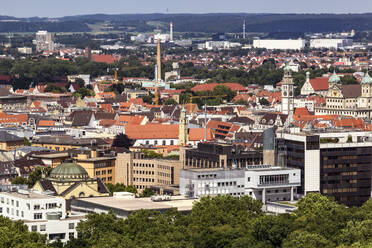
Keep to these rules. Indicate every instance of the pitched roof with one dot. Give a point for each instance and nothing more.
(198, 134)
(81, 118)
(152, 131)
(351, 90)
(319, 83)
(210, 87)
(46, 123)
(242, 120)
(103, 58)
(5, 136)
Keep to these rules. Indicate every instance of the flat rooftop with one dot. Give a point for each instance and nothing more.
(28, 195)
(51, 155)
(181, 203)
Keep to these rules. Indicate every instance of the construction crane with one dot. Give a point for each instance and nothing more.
(158, 75)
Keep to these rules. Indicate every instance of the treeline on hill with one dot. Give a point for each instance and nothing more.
(218, 222)
(219, 22)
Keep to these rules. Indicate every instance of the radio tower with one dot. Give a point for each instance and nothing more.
(244, 29)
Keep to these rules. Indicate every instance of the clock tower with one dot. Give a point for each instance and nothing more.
(287, 91)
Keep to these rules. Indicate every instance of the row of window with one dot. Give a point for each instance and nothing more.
(141, 172)
(269, 179)
(163, 142)
(11, 211)
(104, 179)
(141, 179)
(143, 165)
(103, 172)
(11, 202)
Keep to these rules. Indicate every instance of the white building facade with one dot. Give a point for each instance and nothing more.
(41, 213)
(280, 44)
(330, 43)
(262, 182)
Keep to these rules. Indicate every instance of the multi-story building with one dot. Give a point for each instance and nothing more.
(350, 100)
(41, 213)
(219, 155)
(98, 167)
(262, 182)
(336, 164)
(142, 172)
(44, 41)
(280, 44)
(330, 43)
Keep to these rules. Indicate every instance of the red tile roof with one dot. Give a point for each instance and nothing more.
(46, 123)
(103, 58)
(152, 131)
(319, 83)
(198, 134)
(210, 87)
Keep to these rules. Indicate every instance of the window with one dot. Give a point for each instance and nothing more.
(17, 212)
(109, 171)
(71, 226)
(42, 228)
(17, 204)
(36, 207)
(71, 235)
(248, 179)
(22, 214)
(1, 210)
(34, 228)
(38, 216)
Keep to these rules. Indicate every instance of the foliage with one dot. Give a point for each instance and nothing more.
(54, 89)
(26, 142)
(147, 193)
(170, 101)
(122, 140)
(151, 154)
(16, 234)
(264, 102)
(83, 92)
(33, 177)
(328, 140)
(241, 102)
(120, 187)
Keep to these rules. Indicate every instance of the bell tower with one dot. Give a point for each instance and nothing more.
(287, 91)
(183, 136)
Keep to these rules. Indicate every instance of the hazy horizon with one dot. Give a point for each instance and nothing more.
(52, 9)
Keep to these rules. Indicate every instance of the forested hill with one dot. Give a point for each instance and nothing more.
(217, 22)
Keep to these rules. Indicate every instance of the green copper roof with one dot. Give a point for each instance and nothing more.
(69, 171)
(367, 79)
(334, 78)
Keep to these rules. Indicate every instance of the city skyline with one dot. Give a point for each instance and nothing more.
(47, 8)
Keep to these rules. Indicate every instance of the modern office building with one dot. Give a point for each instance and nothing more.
(219, 155)
(262, 182)
(335, 164)
(42, 213)
(136, 169)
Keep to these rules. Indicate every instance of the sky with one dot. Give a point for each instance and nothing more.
(59, 8)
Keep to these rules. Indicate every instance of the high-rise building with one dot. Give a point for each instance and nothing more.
(335, 164)
(244, 29)
(44, 41)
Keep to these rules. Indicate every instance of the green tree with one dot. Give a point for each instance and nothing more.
(147, 192)
(16, 234)
(220, 90)
(304, 239)
(170, 101)
(54, 89)
(264, 102)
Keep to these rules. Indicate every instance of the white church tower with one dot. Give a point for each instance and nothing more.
(287, 91)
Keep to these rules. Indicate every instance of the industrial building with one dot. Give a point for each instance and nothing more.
(330, 43)
(280, 44)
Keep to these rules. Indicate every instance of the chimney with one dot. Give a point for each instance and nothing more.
(171, 32)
